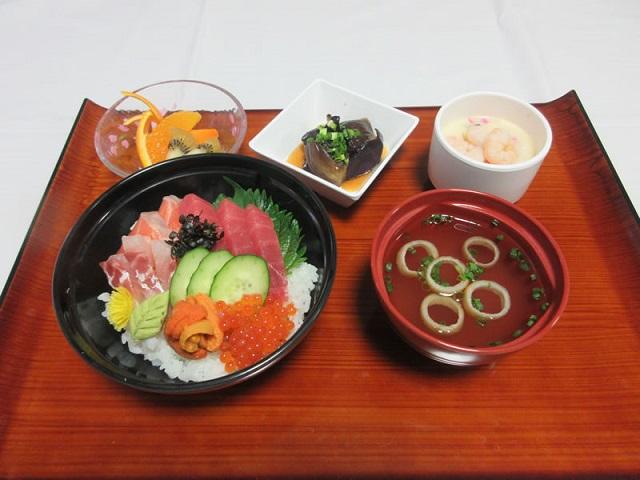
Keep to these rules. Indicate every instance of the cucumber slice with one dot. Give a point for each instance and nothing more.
(242, 275)
(184, 272)
(209, 266)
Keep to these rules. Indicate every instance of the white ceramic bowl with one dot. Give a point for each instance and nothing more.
(282, 135)
(448, 168)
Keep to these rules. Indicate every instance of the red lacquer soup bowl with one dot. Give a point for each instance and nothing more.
(466, 277)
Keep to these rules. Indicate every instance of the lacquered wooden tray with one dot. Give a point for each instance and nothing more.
(352, 400)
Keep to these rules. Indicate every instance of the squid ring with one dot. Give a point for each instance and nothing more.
(484, 242)
(450, 303)
(450, 290)
(401, 261)
(499, 290)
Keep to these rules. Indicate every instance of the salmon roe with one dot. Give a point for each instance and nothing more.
(252, 330)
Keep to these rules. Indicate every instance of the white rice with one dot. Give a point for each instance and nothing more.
(301, 282)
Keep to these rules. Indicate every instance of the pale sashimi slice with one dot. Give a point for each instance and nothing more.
(144, 274)
(116, 268)
(134, 271)
(163, 262)
(170, 212)
(136, 244)
(152, 225)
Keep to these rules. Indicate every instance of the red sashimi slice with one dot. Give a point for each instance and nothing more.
(250, 231)
(170, 212)
(268, 247)
(193, 204)
(234, 222)
(152, 225)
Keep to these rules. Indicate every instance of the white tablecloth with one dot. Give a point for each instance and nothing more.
(404, 53)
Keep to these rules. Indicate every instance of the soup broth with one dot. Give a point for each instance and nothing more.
(517, 270)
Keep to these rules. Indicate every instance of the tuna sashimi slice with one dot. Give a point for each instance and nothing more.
(234, 222)
(268, 247)
(250, 231)
(192, 203)
(152, 225)
(170, 212)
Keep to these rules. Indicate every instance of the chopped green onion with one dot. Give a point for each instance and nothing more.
(435, 274)
(388, 267)
(517, 333)
(472, 272)
(533, 277)
(536, 293)
(515, 253)
(524, 265)
(388, 284)
(477, 304)
(438, 218)
(499, 237)
(495, 222)
(424, 263)
(544, 306)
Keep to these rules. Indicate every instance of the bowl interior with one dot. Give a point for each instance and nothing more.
(78, 279)
(282, 135)
(473, 213)
(115, 142)
(498, 105)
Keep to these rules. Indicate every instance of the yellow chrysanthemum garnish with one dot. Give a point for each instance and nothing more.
(119, 308)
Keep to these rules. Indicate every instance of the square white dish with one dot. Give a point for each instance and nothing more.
(283, 134)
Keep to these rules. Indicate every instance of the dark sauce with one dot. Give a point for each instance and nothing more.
(448, 236)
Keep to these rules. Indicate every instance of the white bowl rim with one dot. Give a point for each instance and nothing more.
(354, 195)
(514, 167)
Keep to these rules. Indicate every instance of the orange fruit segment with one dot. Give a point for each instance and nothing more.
(201, 135)
(156, 113)
(158, 140)
(141, 138)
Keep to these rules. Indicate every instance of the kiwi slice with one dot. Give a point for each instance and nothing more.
(210, 146)
(181, 143)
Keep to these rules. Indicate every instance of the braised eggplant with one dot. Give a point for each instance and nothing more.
(338, 151)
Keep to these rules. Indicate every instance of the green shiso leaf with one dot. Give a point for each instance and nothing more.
(146, 319)
(286, 226)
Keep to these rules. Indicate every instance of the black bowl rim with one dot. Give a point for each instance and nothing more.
(179, 166)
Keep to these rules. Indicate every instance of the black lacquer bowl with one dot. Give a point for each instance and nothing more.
(78, 279)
